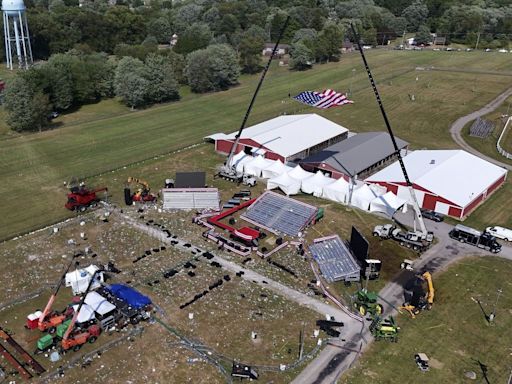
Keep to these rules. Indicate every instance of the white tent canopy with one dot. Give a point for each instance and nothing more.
(240, 159)
(275, 169)
(362, 196)
(79, 279)
(86, 313)
(255, 166)
(98, 303)
(387, 204)
(316, 183)
(285, 183)
(337, 191)
(299, 173)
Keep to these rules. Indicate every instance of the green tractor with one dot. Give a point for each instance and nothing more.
(384, 329)
(366, 302)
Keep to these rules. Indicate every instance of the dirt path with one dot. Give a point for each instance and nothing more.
(458, 125)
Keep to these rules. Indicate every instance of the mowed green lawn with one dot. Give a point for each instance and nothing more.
(33, 167)
(454, 334)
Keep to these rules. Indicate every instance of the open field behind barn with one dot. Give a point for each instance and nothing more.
(454, 334)
(33, 167)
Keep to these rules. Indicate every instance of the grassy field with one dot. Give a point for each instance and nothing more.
(89, 142)
(455, 334)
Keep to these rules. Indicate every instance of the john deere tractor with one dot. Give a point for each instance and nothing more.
(366, 302)
(384, 329)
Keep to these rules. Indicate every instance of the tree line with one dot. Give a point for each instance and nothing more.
(101, 48)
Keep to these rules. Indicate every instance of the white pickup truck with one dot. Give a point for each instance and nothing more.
(500, 232)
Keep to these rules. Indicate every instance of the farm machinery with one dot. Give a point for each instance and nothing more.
(72, 337)
(384, 329)
(143, 193)
(48, 320)
(80, 198)
(419, 300)
(366, 302)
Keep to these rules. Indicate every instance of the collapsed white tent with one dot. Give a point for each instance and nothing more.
(362, 196)
(86, 313)
(299, 173)
(387, 204)
(316, 184)
(285, 183)
(240, 159)
(337, 191)
(256, 165)
(275, 169)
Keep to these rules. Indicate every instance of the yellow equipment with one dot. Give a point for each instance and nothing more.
(143, 193)
(424, 302)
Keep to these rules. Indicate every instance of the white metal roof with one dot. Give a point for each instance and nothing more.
(98, 303)
(455, 175)
(291, 134)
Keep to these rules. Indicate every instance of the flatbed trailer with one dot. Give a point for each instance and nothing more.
(15, 363)
(38, 368)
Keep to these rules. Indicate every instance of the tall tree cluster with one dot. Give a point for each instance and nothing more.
(96, 50)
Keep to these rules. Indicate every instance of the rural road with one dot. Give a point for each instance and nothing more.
(459, 124)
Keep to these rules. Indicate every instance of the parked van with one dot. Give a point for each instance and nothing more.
(500, 233)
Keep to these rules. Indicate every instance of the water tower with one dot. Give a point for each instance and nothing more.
(16, 33)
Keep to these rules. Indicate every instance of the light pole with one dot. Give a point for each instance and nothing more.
(493, 313)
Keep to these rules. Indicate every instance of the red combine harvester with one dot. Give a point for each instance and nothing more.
(81, 198)
(48, 320)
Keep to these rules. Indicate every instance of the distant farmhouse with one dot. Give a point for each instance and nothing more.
(282, 49)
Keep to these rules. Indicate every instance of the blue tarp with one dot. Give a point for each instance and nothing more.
(130, 295)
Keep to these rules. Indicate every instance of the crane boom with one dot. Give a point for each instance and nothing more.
(54, 295)
(75, 315)
(416, 207)
(430, 286)
(244, 121)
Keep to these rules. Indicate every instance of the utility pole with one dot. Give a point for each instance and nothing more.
(403, 39)
(477, 40)
(493, 313)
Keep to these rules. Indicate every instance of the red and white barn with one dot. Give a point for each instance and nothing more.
(287, 138)
(451, 182)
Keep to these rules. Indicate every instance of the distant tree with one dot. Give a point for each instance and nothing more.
(61, 69)
(369, 37)
(301, 57)
(130, 82)
(161, 28)
(257, 32)
(212, 69)
(178, 64)
(195, 37)
(250, 49)
(332, 37)
(162, 85)
(27, 109)
(416, 14)
(303, 34)
(423, 36)
(186, 15)
(138, 51)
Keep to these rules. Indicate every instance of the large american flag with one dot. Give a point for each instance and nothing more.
(323, 100)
